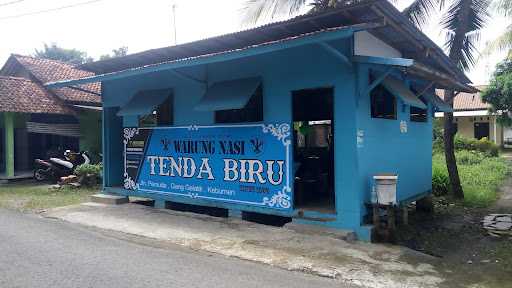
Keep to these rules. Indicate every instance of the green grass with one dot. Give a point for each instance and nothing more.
(34, 197)
(481, 175)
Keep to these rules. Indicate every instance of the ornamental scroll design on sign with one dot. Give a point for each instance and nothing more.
(129, 184)
(128, 134)
(280, 131)
(281, 199)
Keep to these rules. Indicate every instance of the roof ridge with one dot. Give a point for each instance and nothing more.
(75, 66)
(14, 78)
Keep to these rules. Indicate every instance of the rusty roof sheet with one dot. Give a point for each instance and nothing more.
(25, 96)
(399, 33)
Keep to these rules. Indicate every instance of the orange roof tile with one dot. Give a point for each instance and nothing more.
(467, 101)
(46, 70)
(24, 96)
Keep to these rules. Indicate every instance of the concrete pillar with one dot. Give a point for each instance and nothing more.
(9, 143)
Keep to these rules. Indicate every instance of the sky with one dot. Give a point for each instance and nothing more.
(99, 26)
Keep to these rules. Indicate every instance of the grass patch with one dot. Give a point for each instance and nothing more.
(480, 175)
(33, 197)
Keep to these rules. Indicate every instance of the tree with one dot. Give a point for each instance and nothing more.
(462, 21)
(504, 41)
(499, 92)
(55, 52)
(121, 51)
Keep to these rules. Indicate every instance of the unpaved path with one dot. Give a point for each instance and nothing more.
(504, 203)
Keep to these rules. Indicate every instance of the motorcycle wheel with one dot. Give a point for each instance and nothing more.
(40, 175)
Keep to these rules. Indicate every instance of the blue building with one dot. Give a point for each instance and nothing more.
(290, 119)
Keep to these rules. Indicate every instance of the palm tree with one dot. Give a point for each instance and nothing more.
(462, 21)
(504, 41)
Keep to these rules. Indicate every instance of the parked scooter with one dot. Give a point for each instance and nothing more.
(54, 168)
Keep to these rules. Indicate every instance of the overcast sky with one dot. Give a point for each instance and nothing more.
(102, 25)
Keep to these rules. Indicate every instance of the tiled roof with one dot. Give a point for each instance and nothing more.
(467, 101)
(46, 70)
(24, 96)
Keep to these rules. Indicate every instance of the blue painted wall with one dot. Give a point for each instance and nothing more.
(385, 148)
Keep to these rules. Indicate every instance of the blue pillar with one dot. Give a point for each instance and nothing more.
(349, 186)
(112, 148)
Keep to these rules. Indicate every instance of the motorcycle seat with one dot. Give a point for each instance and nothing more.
(61, 162)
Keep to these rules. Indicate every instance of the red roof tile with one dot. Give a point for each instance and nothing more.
(24, 96)
(46, 70)
(467, 101)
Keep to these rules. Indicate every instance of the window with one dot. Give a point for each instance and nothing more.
(163, 115)
(383, 103)
(419, 114)
(252, 112)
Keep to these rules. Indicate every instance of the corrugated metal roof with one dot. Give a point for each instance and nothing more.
(399, 32)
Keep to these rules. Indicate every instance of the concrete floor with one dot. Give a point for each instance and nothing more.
(18, 175)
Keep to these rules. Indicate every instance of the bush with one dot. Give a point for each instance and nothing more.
(89, 175)
(467, 157)
(482, 145)
(486, 146)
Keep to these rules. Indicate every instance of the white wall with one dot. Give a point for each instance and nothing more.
(365, 44)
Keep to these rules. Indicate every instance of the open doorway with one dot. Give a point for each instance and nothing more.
(313, 124)
(481, 130)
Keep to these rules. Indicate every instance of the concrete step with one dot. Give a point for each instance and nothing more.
(109, 199)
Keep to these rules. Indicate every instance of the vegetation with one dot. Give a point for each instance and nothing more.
(504, 41)
(54, 52)
(74, 56)
(32, 197)
(499, 92)
(483, 145)
(121, 51)
(481, 172)
(89, 175)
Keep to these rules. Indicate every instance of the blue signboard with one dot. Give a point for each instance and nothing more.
(241, 164)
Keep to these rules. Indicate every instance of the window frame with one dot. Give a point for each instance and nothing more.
(422, 116)
(166, 107)
(382, 92)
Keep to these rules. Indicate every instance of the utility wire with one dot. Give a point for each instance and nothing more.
(48, 10)
(11, 2)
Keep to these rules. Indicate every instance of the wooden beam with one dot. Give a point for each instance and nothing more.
(83, 90)
(336, 53)
(397, 27)
(402, 62)
(376, 82)
(187, 77)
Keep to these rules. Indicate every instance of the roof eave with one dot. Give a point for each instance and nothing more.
(443, 80)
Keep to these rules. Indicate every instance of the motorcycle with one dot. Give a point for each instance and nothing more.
(55, 168)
